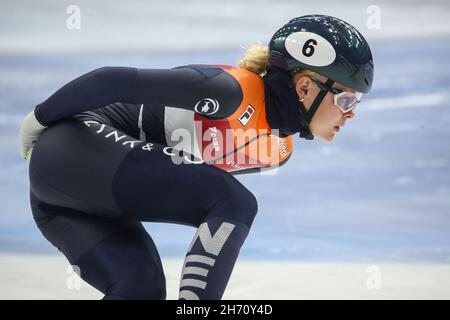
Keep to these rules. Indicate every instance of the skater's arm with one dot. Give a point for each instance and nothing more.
(178, 87)
(90, 91)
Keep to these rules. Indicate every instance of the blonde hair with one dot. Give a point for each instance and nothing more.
(256, 60)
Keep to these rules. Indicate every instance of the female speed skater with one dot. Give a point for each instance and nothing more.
(119, 146)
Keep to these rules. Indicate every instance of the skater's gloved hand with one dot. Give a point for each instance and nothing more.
(30, 131)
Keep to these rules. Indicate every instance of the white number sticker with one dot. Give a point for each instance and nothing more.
(310, 48)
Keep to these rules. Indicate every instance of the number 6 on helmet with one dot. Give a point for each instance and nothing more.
(326, 45)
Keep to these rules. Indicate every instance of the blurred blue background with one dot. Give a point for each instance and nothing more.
(380, 192)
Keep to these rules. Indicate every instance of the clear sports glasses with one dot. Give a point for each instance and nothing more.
(344, 100)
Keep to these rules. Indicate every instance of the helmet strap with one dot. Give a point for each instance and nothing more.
(307, 116)
(304, 124)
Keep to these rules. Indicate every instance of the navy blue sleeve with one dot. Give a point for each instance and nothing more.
(90, 91)
(181, 87)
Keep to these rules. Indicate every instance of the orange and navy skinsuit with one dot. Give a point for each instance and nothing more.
(108, 161)
(214, 113)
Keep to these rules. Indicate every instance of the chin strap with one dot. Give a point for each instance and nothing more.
(306, 116)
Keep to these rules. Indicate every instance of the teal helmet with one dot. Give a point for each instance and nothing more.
(325, 45)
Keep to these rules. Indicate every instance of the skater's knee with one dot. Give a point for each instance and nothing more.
(236, 203)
